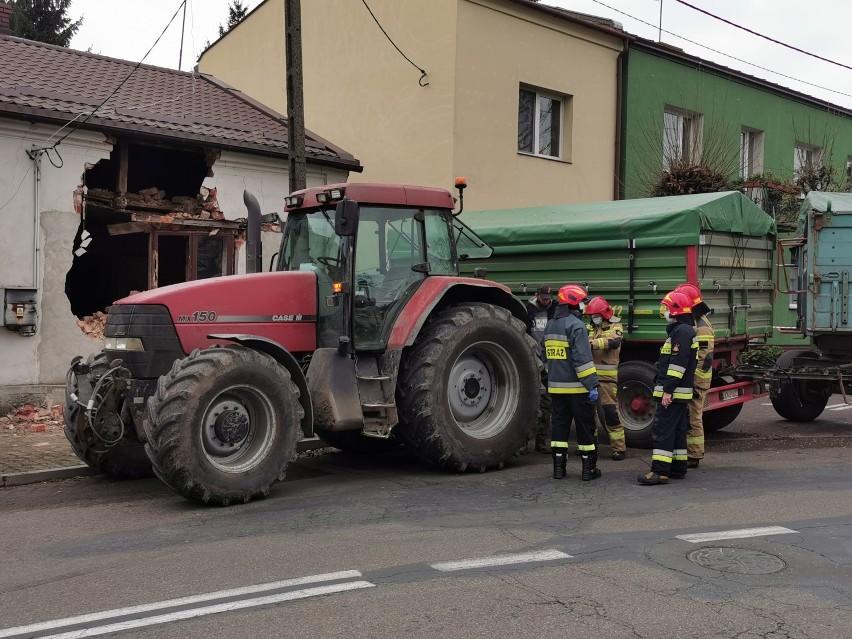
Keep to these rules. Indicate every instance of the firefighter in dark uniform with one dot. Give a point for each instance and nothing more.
(673, 389)
(605, 337)
(703, 374)
(572, 382)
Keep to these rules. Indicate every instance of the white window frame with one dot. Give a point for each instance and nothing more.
(540, 97)
(751, 152)
(805, 154)
(682, 135)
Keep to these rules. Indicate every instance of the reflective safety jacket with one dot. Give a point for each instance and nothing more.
(570, 367)
(676, 366)
(704, 369)
(605, 340)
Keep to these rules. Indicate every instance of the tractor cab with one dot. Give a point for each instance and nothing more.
(371, 247)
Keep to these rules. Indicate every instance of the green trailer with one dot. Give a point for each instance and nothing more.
(633, 252)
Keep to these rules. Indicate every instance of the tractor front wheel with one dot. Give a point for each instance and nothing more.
(223, 425)
(468, 388)
(103, 440)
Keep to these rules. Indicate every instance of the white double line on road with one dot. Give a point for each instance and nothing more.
(742, 533)
(110, 621)
(500, 560)
(832, 407)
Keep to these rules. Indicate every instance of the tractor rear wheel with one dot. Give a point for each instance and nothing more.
(468, 388)
(223, 425)
(92, 440)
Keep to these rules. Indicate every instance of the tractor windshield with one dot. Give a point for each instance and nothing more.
(395, 249)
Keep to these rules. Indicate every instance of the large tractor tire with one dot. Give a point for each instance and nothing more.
(223, 425)
(468, 389)
(354, 443)
(636, 406)
(801, 401)
(93, 442)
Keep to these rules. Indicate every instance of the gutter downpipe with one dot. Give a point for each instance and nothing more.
(37, 216)
(620, 77)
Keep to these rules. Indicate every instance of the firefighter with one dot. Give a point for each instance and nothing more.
(605, 339)
(703, 375)
(673, 391)
(540, 310)
(572, 382)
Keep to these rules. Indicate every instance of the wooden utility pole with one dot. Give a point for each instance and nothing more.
(295, 95)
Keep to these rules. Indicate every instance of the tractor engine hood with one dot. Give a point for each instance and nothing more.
(280, 306)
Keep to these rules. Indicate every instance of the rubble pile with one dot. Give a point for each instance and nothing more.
(204, 206)
(32, 418)
(93, 325)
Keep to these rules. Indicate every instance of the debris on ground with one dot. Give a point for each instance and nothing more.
(32, 418)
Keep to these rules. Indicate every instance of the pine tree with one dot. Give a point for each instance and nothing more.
(236, 12)
(44, 21)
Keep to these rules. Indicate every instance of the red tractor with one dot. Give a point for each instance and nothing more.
(364, 335)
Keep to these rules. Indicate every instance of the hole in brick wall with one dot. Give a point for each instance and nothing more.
(111, 267)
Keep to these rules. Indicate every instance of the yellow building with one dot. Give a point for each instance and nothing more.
(520, 98)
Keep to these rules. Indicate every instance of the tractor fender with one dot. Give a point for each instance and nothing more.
(286, 359)
(437, 293)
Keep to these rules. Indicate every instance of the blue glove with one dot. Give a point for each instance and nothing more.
(593, 395)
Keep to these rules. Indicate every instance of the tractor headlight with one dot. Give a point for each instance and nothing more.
(123, 344)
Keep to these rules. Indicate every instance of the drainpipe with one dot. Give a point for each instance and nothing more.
(36, 156)
(617, 189)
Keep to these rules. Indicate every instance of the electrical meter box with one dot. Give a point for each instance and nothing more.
(20, 309)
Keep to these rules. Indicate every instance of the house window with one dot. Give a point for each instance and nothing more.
(681, 136)
(540, 123)
(805, 157)
(751, 152)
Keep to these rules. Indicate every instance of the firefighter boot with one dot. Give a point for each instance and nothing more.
(590, 468)
(560, 462)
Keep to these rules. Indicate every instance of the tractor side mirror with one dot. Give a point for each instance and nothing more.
(346, 218)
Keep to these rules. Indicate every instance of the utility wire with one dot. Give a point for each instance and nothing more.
(760, 35)
(105, 100)
(727, 55)
(422, 72)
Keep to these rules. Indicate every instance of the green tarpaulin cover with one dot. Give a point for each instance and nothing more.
(660, 221)
(840, 202)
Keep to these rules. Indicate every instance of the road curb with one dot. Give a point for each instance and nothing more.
(50, 474)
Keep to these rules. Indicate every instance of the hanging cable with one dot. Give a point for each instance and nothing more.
(422, 72)
(727, 55)
(114, 91)
(760, 35)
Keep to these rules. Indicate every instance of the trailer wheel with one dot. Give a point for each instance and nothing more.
(354, 443)
(468, 388)
(635, 402)
(223, 425)
(126, 459)
(714, 420)
(798, 401)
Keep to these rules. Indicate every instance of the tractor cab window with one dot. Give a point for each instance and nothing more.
(310, 244)
(395, 250)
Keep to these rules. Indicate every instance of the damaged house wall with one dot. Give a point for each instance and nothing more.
(267, 179)
(43, 358)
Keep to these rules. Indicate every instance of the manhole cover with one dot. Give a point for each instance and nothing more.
(738, 560)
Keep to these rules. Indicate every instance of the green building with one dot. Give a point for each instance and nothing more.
(680, 111)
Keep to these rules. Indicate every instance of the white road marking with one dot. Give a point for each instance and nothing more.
(736, 534)
(500, 560)
(840, 407)
(192, 613)
(182, 601)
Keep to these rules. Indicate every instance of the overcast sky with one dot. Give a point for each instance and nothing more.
(127, 29)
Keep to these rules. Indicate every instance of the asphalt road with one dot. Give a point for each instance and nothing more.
(358, 547)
